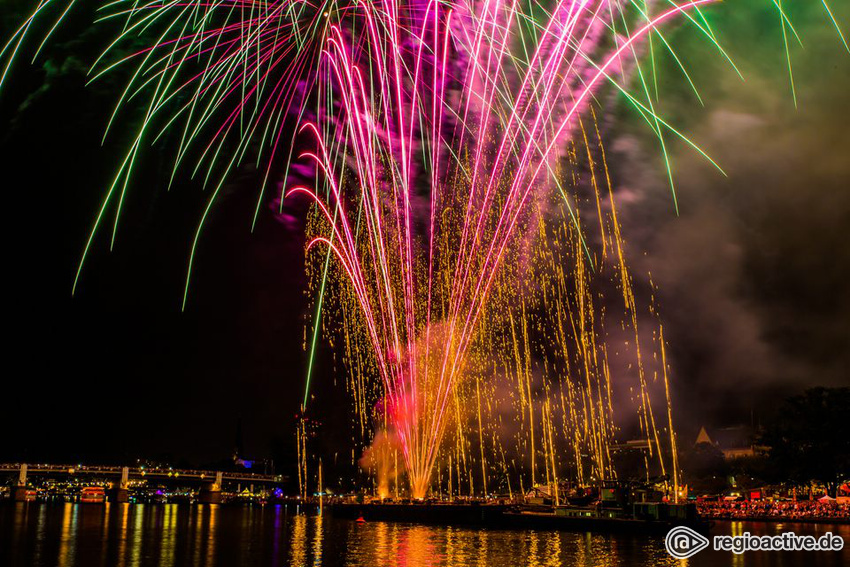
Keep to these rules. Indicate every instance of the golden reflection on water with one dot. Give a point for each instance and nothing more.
(104, 530)
(382, 538)
(40, 534)
(136, 542)
(533, 542)
(737, 558)
(197, 523)
(554, 549)
(416, 547)
(124, 518)
(298, 543)
(318, 534)
(408, 545)
(68, 538)
(212, 534)
(179, 535)
(168, 536)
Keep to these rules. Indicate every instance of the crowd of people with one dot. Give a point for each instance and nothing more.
(782, 509)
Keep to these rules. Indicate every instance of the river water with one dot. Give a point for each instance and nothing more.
(178, 535)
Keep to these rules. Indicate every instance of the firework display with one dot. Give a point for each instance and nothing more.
(464, 244)
(421, 273)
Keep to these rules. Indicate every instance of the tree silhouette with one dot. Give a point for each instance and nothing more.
(810, 438)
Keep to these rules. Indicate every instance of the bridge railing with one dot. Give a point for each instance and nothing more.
(42, 468)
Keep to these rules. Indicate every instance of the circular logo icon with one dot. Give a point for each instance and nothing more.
(683, 542)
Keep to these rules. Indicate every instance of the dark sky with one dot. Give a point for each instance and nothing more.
(753, 273)
(118, 370)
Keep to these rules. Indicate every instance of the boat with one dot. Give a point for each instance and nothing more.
(617, 508)
(93, 495)
(642, 517)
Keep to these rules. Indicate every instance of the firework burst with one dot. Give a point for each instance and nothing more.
(438, 133)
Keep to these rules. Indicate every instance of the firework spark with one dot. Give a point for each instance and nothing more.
(439, 133)
(422, 280)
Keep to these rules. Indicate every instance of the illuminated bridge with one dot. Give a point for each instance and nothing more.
(210, 480)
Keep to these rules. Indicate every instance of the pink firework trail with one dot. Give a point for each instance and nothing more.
(439, 101)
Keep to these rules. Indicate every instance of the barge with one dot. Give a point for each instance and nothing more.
(616, 509)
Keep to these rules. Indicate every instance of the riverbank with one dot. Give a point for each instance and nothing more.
(778, 520)
(805, 511)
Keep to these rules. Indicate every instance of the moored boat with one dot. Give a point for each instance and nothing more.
(93, 495)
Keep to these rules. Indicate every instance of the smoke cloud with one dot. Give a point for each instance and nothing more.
(752, 273)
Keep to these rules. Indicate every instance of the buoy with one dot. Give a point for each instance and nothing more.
(360, 520)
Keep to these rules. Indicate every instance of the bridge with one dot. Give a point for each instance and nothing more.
(211, 480)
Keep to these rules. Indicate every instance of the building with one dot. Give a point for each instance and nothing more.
(733, 442)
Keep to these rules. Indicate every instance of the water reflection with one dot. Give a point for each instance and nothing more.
(68, 538)
(318, 533)
(179, 535)
(399, 545)
(121, 536)
(40, 534)
(298, 545)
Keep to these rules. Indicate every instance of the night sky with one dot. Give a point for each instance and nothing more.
(752, 274)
